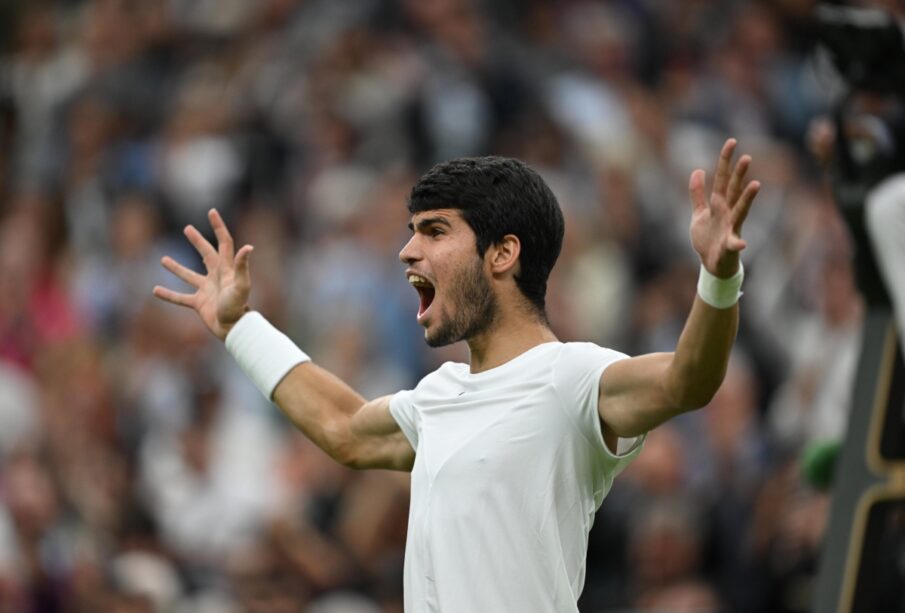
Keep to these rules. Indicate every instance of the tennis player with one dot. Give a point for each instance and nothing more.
(512, 454)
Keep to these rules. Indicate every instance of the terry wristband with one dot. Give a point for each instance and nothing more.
(263, 352)
(720, 293)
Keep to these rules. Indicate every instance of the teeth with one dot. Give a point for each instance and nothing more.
(418, 280)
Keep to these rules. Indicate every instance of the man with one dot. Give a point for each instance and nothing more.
(512, 454)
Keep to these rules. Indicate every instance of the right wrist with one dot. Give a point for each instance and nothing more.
(226, 328)
(264, 353)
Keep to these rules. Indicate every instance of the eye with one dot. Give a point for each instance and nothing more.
(435, 231)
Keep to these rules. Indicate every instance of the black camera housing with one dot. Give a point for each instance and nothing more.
(867, 48)
(865, 45)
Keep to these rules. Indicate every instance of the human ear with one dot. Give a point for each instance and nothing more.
(504, 254)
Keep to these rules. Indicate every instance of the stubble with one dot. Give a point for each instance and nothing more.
(474, 308)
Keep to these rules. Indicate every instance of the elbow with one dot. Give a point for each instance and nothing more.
(691, 400)
(688, 395)
(692, 385)
(345, 456)
(354, 460)
(348, 453)
(342, 446)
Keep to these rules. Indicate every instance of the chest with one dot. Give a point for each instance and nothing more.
(484, 438)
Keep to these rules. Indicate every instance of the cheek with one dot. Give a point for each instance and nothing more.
(454, 262)
(447, 266)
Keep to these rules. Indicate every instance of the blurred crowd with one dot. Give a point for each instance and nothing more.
(141, 472)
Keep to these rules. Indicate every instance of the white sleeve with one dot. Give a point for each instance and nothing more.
(402, 408)
(576, 376)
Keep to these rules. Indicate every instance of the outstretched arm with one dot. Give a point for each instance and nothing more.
(640, 393)
(353, 431)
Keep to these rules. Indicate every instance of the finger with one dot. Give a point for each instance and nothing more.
(189, 276)
(721, 179)
(224, 238)
(204, 248)
(735, 243)
(740, 212)
(169, 295)
(243, 271)
(737, 180)
(696, 190)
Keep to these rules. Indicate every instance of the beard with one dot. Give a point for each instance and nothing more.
(474, 305)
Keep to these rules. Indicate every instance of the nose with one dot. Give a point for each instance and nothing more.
(409, 253)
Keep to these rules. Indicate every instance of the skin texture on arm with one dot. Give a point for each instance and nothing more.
(352, 431)
(337, 419)
(638, 394)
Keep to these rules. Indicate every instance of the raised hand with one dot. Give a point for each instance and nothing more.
(716, 224)
(221, 295)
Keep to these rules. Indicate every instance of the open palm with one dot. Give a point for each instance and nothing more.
(221, 295)
(716, 223)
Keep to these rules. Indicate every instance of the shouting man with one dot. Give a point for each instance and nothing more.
(512, 454)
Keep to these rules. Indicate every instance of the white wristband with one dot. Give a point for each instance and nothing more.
(720, 293)
(263, 352)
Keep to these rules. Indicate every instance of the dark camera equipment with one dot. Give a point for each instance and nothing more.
(865, 45)
(860, 568)
(867, 48)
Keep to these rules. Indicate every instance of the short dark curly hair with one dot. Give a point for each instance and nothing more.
(499, 196)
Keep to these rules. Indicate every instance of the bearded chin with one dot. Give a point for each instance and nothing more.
(475, 309)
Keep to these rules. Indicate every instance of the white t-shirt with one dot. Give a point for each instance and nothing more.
(510, 468)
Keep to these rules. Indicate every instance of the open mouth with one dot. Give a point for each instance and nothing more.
(425, 290)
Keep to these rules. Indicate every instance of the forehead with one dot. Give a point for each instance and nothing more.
(452, 217)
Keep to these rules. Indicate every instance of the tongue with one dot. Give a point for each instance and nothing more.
(427, 297)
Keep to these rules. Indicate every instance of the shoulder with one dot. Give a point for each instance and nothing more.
(447, 370)
(589, 355)
(434, 386)
(578, 366)
(442, 378)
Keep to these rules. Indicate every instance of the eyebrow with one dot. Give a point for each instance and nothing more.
(430, 221)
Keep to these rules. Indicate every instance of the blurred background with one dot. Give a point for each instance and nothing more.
(141, 472)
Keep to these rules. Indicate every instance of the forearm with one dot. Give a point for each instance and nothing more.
(354, 432)
(640, 393)
(329, 412)
(320, 405)
(702, 355)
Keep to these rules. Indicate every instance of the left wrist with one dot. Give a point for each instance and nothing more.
(725, 268)
(720, 292)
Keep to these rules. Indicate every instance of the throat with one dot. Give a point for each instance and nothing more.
(506, 340)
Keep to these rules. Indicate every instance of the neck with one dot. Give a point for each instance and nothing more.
(511, 335)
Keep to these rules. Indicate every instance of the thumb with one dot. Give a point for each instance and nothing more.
(735, 243)
(241, 263)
